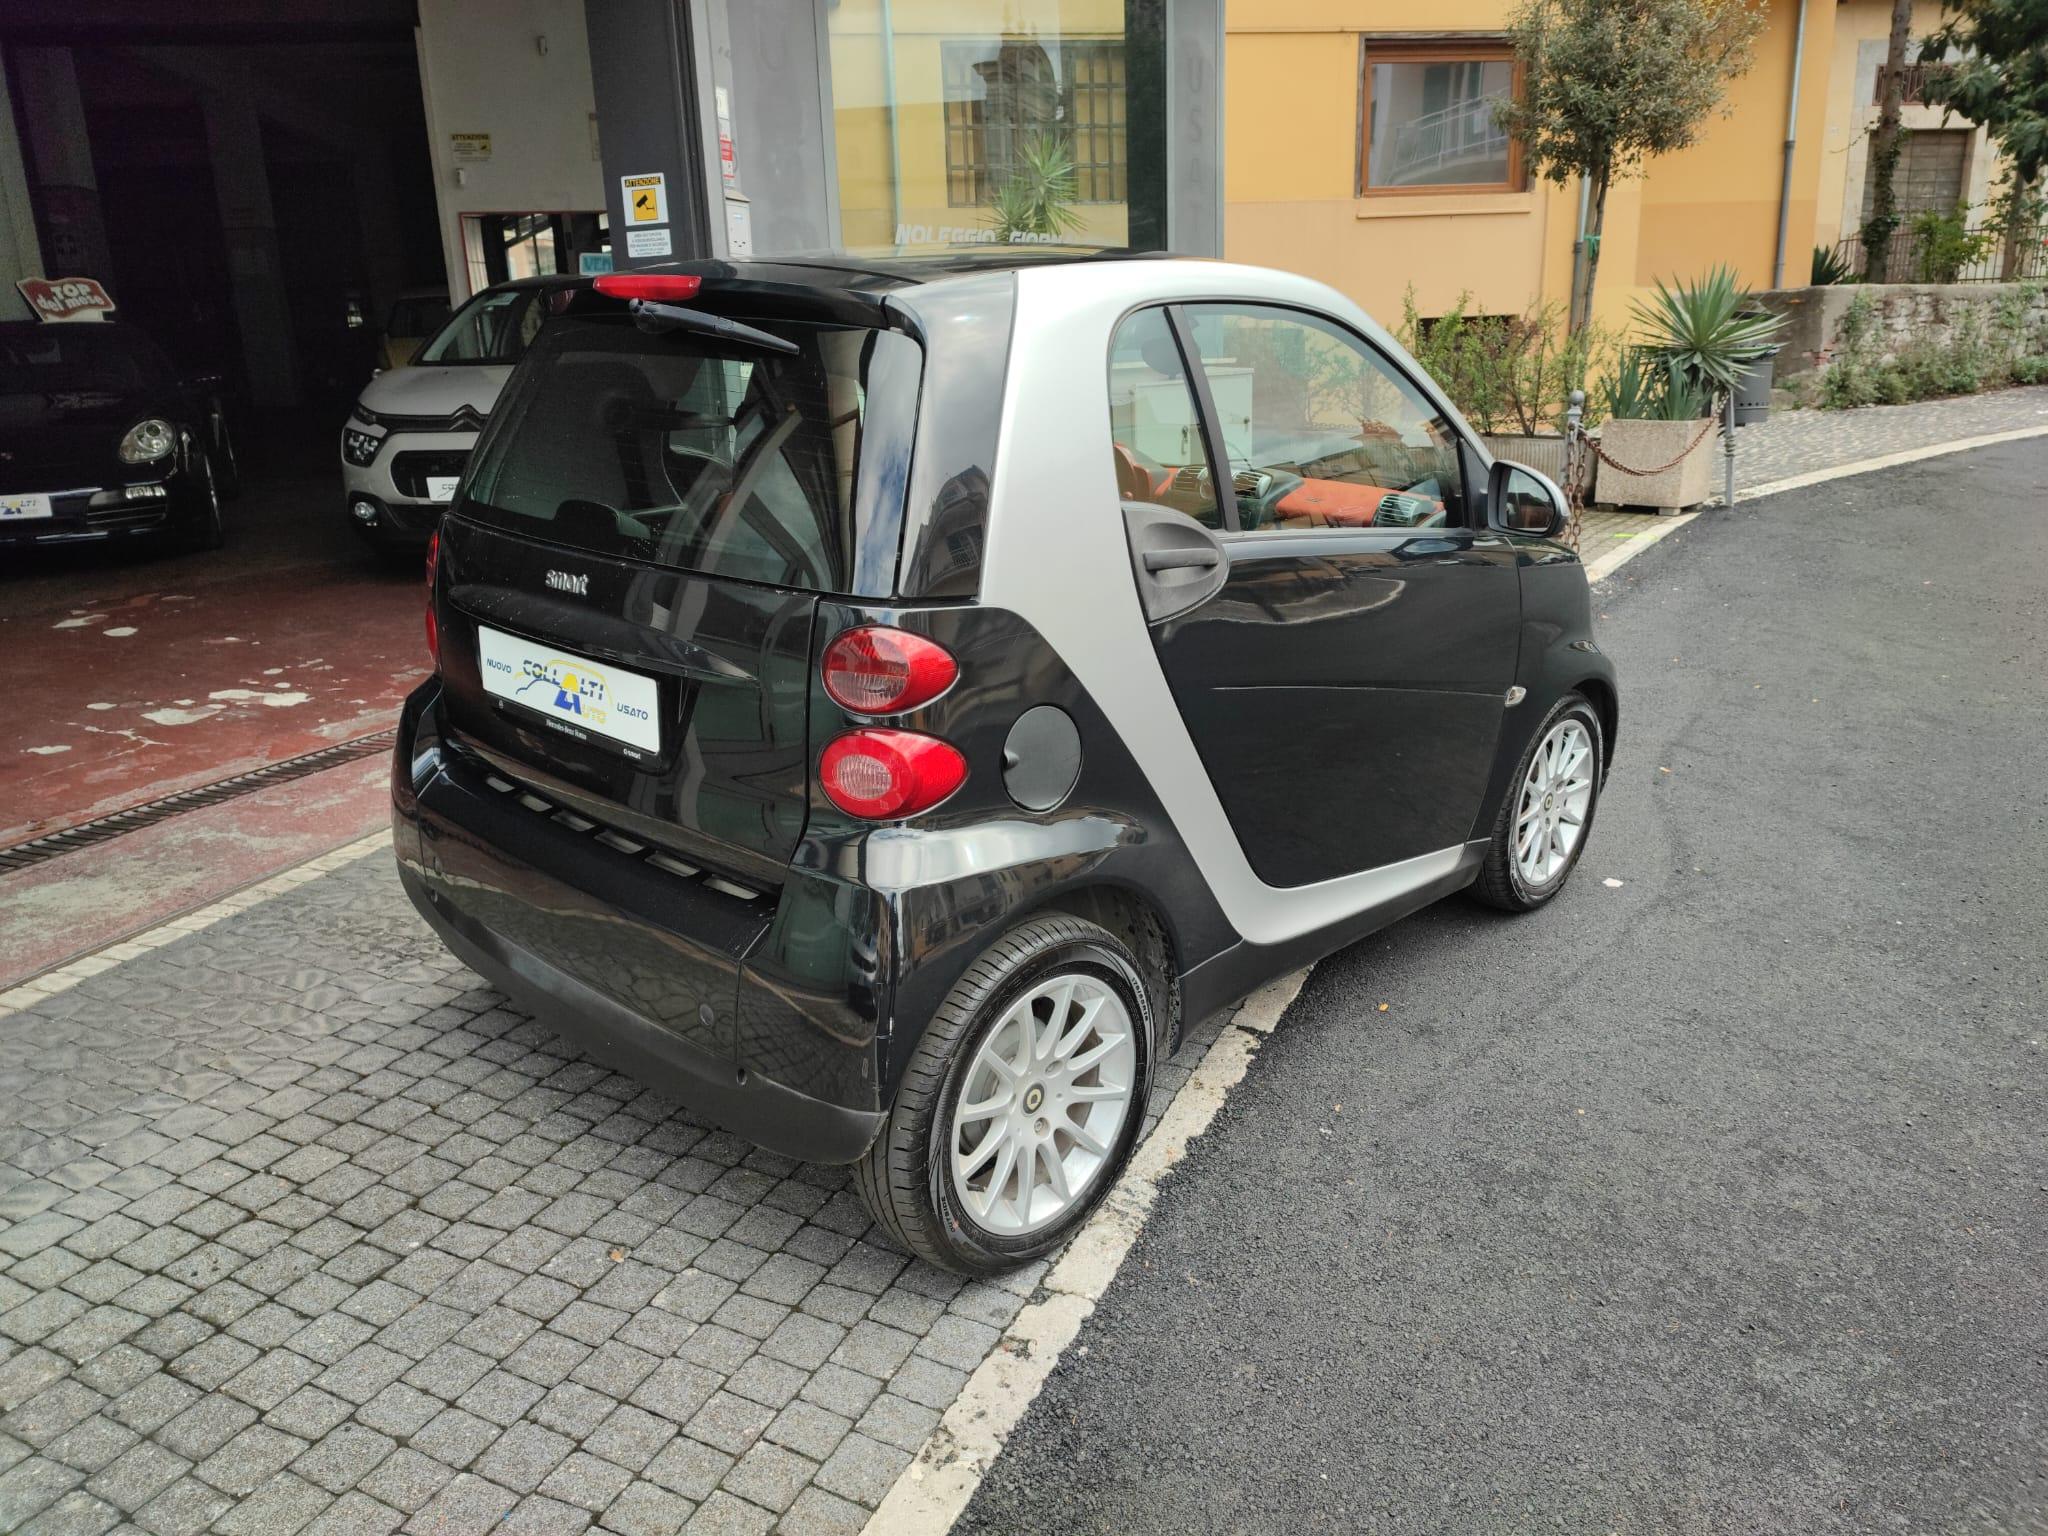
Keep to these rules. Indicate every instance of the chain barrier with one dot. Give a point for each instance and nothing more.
(1699, 437)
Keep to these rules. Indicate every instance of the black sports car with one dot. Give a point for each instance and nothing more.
(99, 439)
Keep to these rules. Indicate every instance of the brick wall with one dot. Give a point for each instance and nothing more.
(1906, 311)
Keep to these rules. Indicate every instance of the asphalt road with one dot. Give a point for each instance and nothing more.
(1714, 1202)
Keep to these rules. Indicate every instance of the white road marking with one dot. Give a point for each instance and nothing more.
(935, 1488)
(182, 716)
(1614, 559)
(119, 631)
(45, 751)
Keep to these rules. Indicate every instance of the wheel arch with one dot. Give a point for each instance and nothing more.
(1600, 693)
(1143, 926)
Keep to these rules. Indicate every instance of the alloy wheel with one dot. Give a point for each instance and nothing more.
(1043, 1104)
(1557, 797)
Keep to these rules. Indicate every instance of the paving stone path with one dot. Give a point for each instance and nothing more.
(1800, 442)
(302, 1229)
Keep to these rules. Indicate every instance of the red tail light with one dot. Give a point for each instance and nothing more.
(433, 625)
(648, 285)
(877, 671)
(883, 775)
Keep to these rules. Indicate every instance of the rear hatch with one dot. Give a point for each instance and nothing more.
(630, 574)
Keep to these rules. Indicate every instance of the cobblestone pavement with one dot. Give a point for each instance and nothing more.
(1800, 442)
(302, 1229)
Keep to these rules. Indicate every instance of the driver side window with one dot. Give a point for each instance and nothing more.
(1319, 430)
(1156, 429)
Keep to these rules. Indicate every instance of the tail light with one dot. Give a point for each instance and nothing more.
(882, 775)
(433, 624)
(878, 671)
(649, 285)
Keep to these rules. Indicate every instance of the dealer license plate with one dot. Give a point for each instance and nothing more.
(583, 697)
(19, 508)
(442, 487)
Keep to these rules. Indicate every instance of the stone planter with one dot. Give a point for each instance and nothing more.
(1542, 452)
(1652, 445)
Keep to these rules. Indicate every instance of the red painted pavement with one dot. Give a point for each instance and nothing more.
(99, 895)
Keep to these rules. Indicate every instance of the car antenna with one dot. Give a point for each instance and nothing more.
(651, 315)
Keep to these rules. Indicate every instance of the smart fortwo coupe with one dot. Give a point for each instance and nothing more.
(880, 705)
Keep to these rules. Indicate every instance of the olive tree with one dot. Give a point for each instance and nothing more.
(1606, 84)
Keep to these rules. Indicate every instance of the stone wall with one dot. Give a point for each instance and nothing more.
(1905, 312)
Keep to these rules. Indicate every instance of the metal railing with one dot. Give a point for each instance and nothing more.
(1914, 257)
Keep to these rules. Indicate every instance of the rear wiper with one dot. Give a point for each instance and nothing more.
(653, 316)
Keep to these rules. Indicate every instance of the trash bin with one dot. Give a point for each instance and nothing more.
(1753, 390)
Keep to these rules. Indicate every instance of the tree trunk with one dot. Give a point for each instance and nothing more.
(1589, 266)
(2015, 229)
(1885, 145)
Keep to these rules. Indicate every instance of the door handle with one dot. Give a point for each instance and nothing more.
(1197, 559)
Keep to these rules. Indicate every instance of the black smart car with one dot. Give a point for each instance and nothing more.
(881, 705)
(101, 440)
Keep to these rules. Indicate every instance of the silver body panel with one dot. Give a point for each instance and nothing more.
(1057, 555)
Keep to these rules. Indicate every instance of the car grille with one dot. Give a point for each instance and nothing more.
(411, 471)
(464, 419)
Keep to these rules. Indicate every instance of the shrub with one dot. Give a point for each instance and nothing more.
(1830, 268)
(1947, 246)
(1507, 373)
(1987, 346)
(2031, 370)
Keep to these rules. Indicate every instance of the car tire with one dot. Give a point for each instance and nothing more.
(1520, 873)
(203, 528)
(1008, 1002)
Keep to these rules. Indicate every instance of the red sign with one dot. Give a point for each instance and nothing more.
(66, 298)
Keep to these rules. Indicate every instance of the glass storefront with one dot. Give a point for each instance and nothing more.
(999, 122)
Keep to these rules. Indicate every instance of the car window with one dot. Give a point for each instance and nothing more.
(1320, 430)
(689, 452)
(496, 326)
(1154, 424)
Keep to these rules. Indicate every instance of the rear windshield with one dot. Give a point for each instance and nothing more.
(699, 453)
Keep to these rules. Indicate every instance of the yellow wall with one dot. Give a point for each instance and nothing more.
(1291, 79)
(1718, 201)
(869, 214)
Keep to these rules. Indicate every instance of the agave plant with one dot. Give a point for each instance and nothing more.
(1035, 201)
(1830, 267)
(1648, 386)
(1707, 330)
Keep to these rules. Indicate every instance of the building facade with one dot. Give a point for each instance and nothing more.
(1361, 149)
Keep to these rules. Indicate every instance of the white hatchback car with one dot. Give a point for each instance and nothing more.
(410, 432)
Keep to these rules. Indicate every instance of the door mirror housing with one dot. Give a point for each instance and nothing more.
(1522, 500)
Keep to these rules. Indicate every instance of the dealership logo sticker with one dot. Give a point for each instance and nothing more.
(572, 694)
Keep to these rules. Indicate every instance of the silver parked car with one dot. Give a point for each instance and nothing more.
(408, 437)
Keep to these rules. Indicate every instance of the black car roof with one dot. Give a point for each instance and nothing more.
(880, 273)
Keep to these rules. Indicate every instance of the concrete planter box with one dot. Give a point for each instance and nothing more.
(1542, 452)
(1648, 444)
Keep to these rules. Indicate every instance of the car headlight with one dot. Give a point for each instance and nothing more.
(148, 441)
(360, 448)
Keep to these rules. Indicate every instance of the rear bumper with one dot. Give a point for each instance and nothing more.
(645, 974)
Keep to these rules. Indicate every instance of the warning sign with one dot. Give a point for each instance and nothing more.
(646, 198)
(66, 298)
(470, 148)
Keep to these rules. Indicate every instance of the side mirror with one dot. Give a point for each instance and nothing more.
(1520, 500)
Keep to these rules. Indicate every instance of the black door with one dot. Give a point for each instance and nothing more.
(1343, 666)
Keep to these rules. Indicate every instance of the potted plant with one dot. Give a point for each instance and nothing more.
(1657, 447)
(1698, 342)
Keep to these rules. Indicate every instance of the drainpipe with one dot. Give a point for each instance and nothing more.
(1791, 143)
(895, 139)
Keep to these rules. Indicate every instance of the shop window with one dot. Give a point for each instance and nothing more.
(1426, 118)
(1003, 96)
